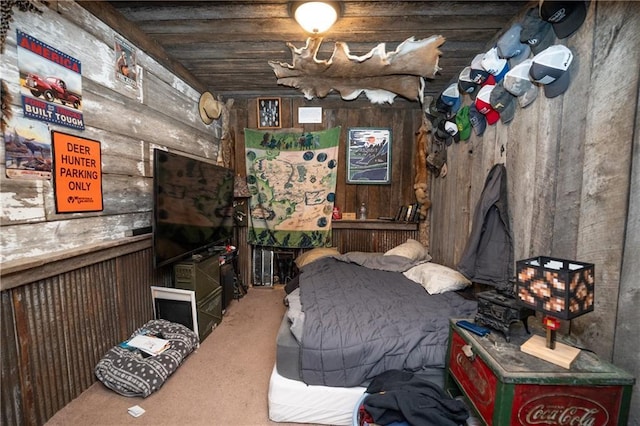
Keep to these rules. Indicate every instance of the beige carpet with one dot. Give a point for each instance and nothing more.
(224, 382)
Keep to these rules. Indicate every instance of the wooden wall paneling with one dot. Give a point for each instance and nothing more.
(252, 113)
(404, 120)
(77, 231)
(627, 339)
(521, 157)
(97, 59)
(238, 117)
(24, 196)
(122, 154)
(121, 195)
(521, 166)
(125, 127)
(350, 194)
(404, 127)
(544, 182)
(572, 142)
(435, 213)
(446, 207)
(457, 202)
(104, 112)
(477, 168)
(287, 111)
(114, 20)
(459, 206)
(605, 190)
(438, 244)
(373, 194)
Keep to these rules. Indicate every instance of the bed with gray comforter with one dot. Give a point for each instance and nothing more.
(360, 316)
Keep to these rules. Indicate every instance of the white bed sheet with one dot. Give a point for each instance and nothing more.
(297, 402)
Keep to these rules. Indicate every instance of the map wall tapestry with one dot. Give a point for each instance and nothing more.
(292, 180)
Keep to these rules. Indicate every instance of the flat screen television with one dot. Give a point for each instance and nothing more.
(193, 206)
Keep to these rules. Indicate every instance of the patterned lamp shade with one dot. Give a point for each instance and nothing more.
(240, 188)
(560, 288)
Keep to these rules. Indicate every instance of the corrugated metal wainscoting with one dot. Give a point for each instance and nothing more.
(371, 236)
(55, 329)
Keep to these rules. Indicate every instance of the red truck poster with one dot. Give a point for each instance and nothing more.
(51, 83)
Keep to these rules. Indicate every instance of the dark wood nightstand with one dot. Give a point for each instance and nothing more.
(505, 386)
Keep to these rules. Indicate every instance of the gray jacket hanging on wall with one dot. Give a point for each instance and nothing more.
(488, 256)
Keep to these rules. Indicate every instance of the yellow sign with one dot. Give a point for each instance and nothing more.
(77, 173)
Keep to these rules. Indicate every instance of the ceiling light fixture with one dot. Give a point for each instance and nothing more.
(315, 16)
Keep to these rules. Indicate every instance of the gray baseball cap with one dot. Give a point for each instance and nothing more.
(518, 83)
(551, 68)
(537, 33)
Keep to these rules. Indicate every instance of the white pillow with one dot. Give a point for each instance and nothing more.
(411, 249)
(437, 278)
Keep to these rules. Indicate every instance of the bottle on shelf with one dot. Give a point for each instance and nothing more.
(363, 212)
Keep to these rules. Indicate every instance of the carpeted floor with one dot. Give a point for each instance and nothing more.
(224, 382)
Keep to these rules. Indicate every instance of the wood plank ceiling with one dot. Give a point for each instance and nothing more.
(227, 45)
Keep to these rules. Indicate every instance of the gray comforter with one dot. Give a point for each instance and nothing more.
(360, 322)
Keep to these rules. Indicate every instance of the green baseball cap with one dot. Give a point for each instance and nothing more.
(464, 123)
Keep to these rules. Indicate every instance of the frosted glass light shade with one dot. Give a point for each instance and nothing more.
(315, 16)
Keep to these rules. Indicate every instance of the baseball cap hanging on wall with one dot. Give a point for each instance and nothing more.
(503, 102)
(463, 122)
(518, 82)
(510, 47)
(538, 34)
(451, 97)
(565, 16)
(551, 68)
(494, 64)
(477, 120)
(483, 105)
(477, 72)
(466, 83)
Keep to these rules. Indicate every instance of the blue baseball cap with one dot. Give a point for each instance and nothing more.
(511, 48)
(494, 64)
(477, 119)
(451, 97)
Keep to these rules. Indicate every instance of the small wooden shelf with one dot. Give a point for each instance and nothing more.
(374, 224)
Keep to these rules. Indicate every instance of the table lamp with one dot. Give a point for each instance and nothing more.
(561, 289)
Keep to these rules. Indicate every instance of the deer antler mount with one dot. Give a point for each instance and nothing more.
(379, 74)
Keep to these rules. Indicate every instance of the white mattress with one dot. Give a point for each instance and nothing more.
(297, 402)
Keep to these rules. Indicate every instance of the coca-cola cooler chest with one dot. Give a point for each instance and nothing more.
(505, 386)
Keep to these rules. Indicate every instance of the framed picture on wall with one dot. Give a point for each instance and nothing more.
(369, 155)
(269, 113)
